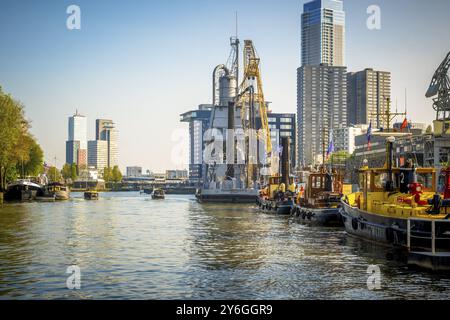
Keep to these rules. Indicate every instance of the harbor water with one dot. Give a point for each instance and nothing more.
(128, 246)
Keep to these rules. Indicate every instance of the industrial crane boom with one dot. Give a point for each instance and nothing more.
(440, 87)
(252, 78)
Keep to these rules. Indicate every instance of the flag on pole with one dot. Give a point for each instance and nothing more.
(369, 137)
(330, 149)
(404, 125)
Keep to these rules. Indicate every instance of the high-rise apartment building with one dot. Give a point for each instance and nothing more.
(76, 145)
(321, 81)
(323, 33)
(105, 130)
(322, 107)
(368, 92)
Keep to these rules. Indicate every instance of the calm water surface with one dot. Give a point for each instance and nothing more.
(129, 246)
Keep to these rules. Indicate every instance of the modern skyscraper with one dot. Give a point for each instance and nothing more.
(98, 154)
(322, 107)
(76, 145)
(367, 94)
(321, 81)
(323, 33)
(105, 130)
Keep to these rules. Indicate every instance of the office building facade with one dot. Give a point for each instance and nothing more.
(98, 154)
(322, 79)
(321, 107)
(344, 138)
(76, 145)
(134, 172)
(368, 92)
(323, 33)
(105, 130)
(198, 124)
(284, 125)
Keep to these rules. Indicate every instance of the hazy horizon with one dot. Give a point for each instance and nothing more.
(143, 63)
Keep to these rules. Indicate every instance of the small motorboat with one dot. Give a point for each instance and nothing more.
(158, 194)
(57, 190)
(91, 195)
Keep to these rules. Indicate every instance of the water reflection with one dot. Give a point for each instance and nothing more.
(131, 247)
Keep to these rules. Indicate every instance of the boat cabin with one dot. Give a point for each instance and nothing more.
(323, 190)
(377, 180)
(383, 190)
(275, 185)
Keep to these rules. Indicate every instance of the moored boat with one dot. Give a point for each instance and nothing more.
(275, 198)
(158, 194)
(57, 190)
(319, 203)
(399, 206)
(278, 196)
(23, 190)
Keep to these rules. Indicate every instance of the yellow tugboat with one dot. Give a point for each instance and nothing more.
(402, 207)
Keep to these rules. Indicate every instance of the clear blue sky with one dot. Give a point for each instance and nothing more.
(142, 63)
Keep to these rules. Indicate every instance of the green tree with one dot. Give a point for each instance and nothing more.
(15, 141)
(66, 171)
(35, 164)
(107, 174)
(73, 172)
(53, 174)
(116, 175)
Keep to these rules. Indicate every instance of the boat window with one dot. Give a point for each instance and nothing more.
(316, 182)
(426, 179)
(380, 180)
(361, 181)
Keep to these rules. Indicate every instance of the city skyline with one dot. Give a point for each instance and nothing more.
(115, 69)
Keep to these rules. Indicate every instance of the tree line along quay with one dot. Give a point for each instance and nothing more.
(21, 155)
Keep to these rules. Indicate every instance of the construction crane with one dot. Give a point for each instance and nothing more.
(439, 90)
(251, 94)
(252, 79)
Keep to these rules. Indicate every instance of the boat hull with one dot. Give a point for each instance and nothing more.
(389, 230)
(321, 216)
(274, 207)
(91, 196)
(227, 197)
(62, 195)
(23, 192)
